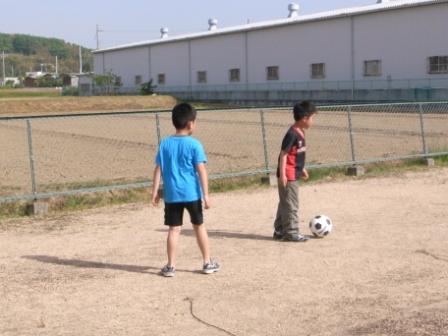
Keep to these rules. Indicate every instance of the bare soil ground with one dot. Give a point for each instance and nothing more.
(67, 105)
(382, 271)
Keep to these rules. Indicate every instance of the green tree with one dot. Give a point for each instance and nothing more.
(24, 44)
(109, 83)
(5, 43)
(28, 52)
(49, 82)
(147, 88)
(58, 48)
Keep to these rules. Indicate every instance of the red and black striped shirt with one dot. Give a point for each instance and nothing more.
(294, 145)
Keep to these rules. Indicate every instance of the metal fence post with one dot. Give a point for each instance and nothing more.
(422, 129)
(31, 156)
(350, 128)
(158, 127)
(265, 145)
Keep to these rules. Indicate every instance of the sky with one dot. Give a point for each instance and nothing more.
(126, 21)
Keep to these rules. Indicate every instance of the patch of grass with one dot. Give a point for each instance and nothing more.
(235, 183)
(325, 174)
(441, 160)
(95, 200)
(14, 210)
(24, 93)
(211, 106)
(50, 187)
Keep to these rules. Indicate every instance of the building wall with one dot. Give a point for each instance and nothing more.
(295, 48)
(402, 39)
(171, 59)
(217, 55)
(98, 65)
(127, 64)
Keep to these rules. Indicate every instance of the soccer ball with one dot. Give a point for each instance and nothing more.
(321, 226)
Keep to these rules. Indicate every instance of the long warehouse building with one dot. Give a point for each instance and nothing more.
(390, 50)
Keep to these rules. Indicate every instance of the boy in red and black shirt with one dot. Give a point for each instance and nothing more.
(291, 168)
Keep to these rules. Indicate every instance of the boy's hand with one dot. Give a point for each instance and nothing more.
(207, 203)
(283, 180)
(155, 199)
(305, 175)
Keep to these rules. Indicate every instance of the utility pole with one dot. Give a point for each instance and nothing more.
(57, 66)
(3, 68)
(97, 37)
(80, 59)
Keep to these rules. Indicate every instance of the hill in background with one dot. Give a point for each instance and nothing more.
(26, 53)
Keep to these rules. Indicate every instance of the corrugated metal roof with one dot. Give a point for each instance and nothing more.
(393, 4)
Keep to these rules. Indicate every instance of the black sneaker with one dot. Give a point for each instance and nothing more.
(298, 238)
(168, 271)
(210, 267)
(277, 236)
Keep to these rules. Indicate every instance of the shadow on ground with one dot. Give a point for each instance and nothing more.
(99, 265)
(229, 234)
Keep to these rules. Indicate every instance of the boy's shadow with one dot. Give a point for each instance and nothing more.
(224, 234)
(229, 234)
(99, 265)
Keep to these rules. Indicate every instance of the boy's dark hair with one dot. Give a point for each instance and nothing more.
(183, 113)
(304, 109)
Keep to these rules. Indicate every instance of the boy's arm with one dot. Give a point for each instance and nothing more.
(155, 198)
(282, 168)
(203, 178)
(305, 176)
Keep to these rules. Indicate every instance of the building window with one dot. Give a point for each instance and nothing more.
(318, 70)
(138, 80)
(161, 79)
(438, 65)
(372, 68)
(272, 73)
(202, 76)
(234, 75)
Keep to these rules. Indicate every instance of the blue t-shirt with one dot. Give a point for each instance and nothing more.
(178, 157)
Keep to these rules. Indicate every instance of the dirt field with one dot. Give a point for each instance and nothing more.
(67, 105)
(112, 149)
(383, 270)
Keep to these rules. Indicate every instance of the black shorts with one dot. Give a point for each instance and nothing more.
(174, 213)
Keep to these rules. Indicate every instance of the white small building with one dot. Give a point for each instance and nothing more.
(10, 81)
(398, 46)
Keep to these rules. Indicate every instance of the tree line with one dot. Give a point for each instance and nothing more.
(29, 53)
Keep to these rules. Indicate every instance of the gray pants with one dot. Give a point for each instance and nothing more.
(287, 219)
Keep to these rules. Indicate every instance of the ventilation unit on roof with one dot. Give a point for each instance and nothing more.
(293, 10)
(212, 24)
(164, 32)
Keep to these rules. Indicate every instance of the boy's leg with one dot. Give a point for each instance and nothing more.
(279, 218)
(197, 219)
(171, 244)
(173, 219)
(202, 239)
(209, 266)
(291, 219)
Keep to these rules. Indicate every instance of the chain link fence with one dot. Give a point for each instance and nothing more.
(47, 156)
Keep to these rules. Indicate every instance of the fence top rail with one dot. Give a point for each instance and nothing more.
(140, 112)
(230, 109)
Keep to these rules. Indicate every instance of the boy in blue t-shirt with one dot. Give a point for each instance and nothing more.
(180, 162)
